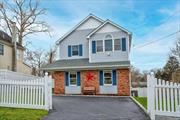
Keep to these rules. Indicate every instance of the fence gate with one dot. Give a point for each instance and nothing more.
(163, 97)
(33, 93)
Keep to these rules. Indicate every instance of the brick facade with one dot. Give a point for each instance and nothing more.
(90, 83)
(123, 81)
(59, 85)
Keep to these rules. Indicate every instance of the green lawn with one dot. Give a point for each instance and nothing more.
(142, 101)
(21, 114)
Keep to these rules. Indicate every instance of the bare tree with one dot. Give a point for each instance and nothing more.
(51, 55)
(176, 50)
(36, 59)
(25, 13)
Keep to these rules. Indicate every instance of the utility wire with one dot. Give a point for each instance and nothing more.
(153, 41)
(142, 45)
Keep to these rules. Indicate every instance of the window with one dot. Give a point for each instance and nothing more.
(99, 46)
(1, 49)
(108, 43)
(107, 77)
(117, 44)
(72, 78)
(18, 55)
(75, 50)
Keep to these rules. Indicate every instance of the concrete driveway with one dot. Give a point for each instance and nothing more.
(94, 108)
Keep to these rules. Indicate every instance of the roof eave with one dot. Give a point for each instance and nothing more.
(85, 67)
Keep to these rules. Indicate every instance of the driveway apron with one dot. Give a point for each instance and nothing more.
(95, 108)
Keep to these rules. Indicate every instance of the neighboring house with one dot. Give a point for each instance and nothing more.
(6, 55)
(94, 54)
(139, 89)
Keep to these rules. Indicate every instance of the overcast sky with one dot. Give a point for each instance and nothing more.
(148, 20)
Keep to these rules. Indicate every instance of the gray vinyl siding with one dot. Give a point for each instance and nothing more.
(114, 55)
(75, 38)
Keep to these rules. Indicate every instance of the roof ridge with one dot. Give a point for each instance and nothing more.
(77, 25)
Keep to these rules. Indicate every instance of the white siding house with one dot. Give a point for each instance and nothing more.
(95, 54)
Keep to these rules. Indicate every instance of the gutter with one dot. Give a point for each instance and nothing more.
(85, 67)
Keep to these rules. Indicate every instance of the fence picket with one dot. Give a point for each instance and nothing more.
(164, 96)
(172, 97)
(160, 94)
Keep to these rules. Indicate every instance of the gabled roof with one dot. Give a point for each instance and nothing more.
(80, 23)
(7, 39)
(114, 24)
(110, 22)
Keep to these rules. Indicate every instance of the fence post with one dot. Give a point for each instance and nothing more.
(46, 91)
(151, 95)
(50, 91)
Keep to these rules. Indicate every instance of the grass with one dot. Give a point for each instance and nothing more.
(21, 114)
(142, 101)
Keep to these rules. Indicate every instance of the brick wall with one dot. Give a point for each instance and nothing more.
(123, 83)
(90, 83)
(59, 85)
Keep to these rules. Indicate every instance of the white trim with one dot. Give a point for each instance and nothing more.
(108, 21)
(75, 27)
(104, 78)
(72, 50)
(102, 46)
(70, 78)
(120, 39)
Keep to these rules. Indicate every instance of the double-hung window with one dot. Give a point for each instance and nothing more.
(108, 43)
(75, 50)
(117, 44)
(72, 78)
(1, 49)
(18, 55)
(99, 46)
(108, 77)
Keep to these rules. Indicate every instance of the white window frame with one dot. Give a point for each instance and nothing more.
(72, 72)
(110, 71)
(18, 55)
(108, 39)
(2, 49)
(102, 47)
(72, 50)
(120, 39)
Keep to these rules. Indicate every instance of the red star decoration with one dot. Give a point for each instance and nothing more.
(89, 76)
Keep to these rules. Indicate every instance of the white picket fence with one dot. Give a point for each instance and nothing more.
(35, 93)
(163, 97)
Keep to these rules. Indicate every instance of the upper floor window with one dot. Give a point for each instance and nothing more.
(1, 49)
(108, 43)
(99, 45)
(75, 50)
(117, 44)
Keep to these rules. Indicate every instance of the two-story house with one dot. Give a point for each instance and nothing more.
(6, 55)
(95, 53)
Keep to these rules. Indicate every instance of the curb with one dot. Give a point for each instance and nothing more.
(140, 106)
(91, 96)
